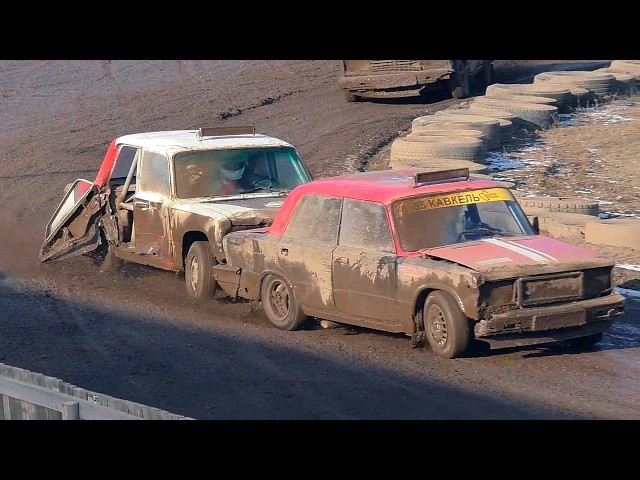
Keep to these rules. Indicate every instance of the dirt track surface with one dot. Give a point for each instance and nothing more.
(132, 334)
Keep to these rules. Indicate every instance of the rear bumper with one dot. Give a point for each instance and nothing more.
(386, 83)
(552, 323)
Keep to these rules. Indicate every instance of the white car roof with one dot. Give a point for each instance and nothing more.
(172, 141)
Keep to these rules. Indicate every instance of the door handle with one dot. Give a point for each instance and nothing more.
(141, 205)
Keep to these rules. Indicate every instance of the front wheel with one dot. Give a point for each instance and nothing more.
(280, 304)
(446, 327)
(198, 273)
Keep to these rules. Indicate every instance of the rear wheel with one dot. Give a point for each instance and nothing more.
(488, 73)
(446, 327)
(280, 304)
(198, 273)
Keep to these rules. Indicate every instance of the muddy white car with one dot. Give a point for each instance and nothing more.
(167, 199)
(435, 255)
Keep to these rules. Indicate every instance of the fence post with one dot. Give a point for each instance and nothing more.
(70, 411)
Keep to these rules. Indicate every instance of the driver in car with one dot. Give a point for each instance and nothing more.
(228, 178)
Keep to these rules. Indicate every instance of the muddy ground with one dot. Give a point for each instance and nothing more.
(132, 334)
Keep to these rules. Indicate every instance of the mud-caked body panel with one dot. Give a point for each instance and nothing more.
(511, 285)
(406, 78)
(158, 193)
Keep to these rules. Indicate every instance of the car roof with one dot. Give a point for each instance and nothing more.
(384, 186)
(387, 186)
(170, 142)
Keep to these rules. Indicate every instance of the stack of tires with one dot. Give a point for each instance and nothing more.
(577, 219)
(627, 73)
(549, 94)
(600, 86)
(461, 137)
(447, 141)
(437, 151)
(509, 125)
(533, 112)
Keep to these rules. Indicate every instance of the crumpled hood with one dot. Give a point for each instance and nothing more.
(239, 211)
(508, 253)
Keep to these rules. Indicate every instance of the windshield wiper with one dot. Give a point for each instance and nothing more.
(484, 231)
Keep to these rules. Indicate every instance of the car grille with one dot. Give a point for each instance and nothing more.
(549, 289)
(396, 65)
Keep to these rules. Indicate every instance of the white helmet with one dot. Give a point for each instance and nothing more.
(233, 169)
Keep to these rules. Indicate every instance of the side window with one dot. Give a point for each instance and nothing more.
(123, 162)
(154, 173)
(365, 225)
(315, 218)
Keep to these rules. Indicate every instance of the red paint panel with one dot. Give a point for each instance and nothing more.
(107, 166)
(491, 253)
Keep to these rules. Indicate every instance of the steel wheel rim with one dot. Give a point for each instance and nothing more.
(193, 273)
(279, 300)
(437, 326)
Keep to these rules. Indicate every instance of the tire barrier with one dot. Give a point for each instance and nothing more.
(508, 130)
(425, 147)
(443, 131)
(532, 116)
(627, 84)
(533, 107)
(630, 67)
(601, 85)
(563, 96)
(514, 97)
(507, 127)
(436, 163)
(489, 126)
(561, 204)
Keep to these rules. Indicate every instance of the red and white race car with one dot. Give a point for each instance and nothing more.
(436, 255)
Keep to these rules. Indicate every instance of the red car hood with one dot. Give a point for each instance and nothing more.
(490, 254)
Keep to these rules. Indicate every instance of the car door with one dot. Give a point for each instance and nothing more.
(151, 231)
(73, 227)
(305, 250)
(365, 270)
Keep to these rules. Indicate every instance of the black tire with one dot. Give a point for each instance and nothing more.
(447, 329)
(488, 73)
(586, 343)
(280, 305)
(460, 83)
(483, 78)
(198, 273)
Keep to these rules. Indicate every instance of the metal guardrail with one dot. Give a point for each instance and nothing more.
(27, 395)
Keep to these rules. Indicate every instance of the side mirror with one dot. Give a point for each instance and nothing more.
(535, 223)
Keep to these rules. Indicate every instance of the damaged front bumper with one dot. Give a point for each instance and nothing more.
(536, 325)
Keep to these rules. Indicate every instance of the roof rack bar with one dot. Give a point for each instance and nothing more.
(422, 178)
(218, 131)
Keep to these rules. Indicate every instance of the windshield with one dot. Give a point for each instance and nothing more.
(446, 219)
(230, 172)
